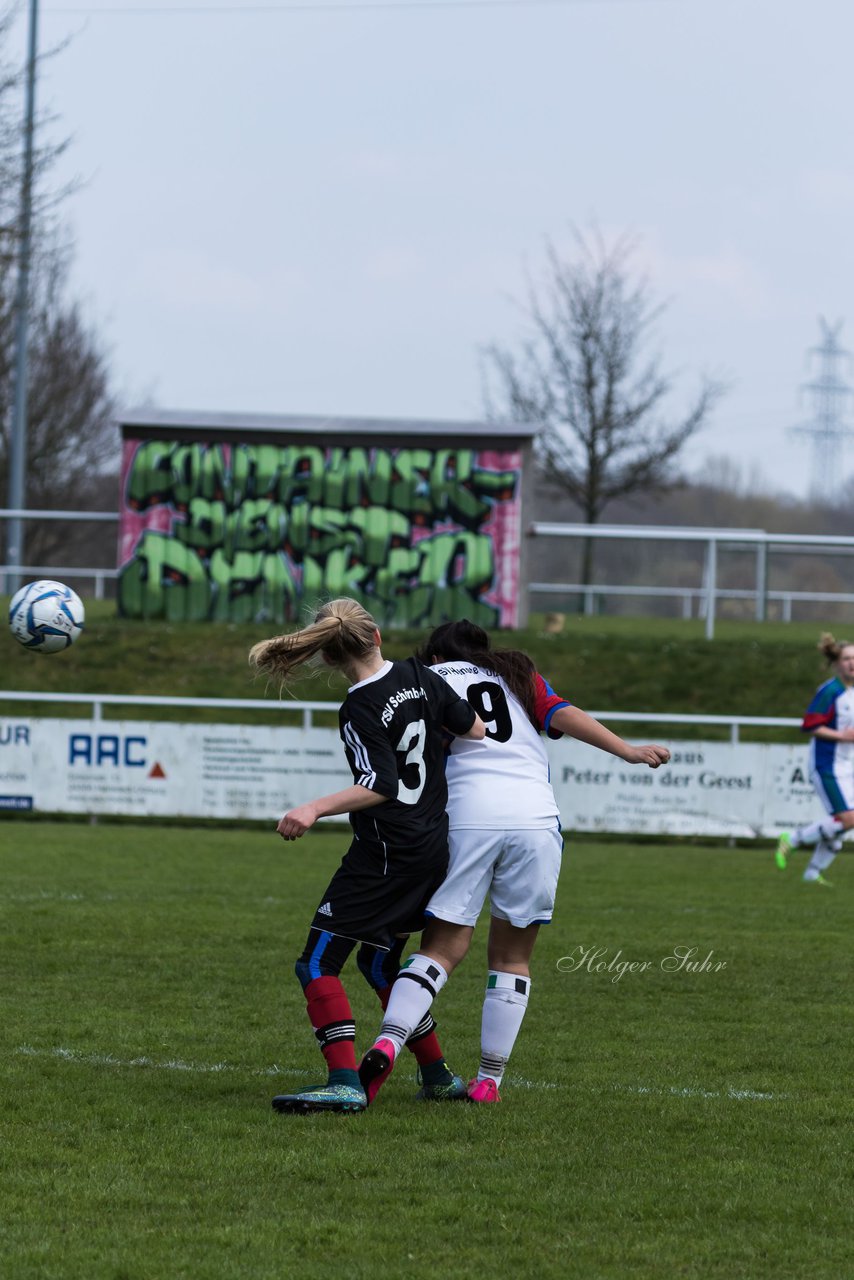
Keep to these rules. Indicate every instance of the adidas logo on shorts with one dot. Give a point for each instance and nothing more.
(325, 910)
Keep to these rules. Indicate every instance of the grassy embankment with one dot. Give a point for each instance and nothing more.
(602, 664)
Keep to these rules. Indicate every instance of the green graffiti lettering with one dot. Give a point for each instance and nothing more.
(165, 579)
(496, 486)
(457, 559)
(356, 478)
(251, 586)
(258, 527)
(297, 536)
(379, 532)
(205, 527)
(149, 483)
(466, 493)
(254, 471)
(301, 475)
(451, 485)
(186, 466)
(328, 531)
(450, 604)
(392, 582)
(339, 574)
(411, 491)
(214, 475)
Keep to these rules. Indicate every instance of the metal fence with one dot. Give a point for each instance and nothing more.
(756, 541)
(12, 574)
(706, 595)
(97, 701)
(690, 596)
(62, 573)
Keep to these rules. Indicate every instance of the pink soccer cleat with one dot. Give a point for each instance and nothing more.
(483, 1091)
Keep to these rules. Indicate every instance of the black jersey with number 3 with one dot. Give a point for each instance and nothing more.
(391, 726)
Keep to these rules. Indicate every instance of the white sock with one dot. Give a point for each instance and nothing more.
(504, 1008)
(820, 860)
(826, 829)
(419, 982)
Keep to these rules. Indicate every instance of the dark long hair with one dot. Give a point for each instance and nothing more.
(465, 641)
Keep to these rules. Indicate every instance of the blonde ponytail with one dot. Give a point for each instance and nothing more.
(831, 648)
(341, 630)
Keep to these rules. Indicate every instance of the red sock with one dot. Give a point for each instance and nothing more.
(426, 1049)
(332, 1020)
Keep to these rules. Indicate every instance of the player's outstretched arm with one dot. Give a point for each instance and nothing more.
(578, 724)
(833, 735)
(297, 821)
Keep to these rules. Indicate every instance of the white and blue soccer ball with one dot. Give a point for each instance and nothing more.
(46, 616)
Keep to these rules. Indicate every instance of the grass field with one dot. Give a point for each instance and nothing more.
(665, 1124)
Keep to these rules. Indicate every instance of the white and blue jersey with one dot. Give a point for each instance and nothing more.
(831, 762)
(501, 782)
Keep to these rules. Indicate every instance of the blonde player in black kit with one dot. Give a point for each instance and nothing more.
(391, 723)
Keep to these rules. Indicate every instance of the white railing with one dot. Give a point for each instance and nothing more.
(755, 540)
(11, 574)
(688, 595)
(100, 700)
(60, 573)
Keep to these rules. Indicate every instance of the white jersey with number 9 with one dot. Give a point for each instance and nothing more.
(501, 782)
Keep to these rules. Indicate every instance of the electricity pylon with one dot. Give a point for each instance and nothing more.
(830, 396)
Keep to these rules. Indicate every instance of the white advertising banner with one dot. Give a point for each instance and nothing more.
(708, 788)
(166, 769)
(250, 771)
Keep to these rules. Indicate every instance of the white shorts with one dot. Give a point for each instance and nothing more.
(518, 869)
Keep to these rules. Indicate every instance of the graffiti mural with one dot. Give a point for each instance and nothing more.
(241, 532)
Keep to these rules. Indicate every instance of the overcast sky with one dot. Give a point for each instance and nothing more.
(328, 208)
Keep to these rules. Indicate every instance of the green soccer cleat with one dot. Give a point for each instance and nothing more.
(324, 1097)
(819, 879)
(783, 850)
(453, 1090)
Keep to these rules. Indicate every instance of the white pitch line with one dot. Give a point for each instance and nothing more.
(518, 1082)
(674, 1091)
(51, 896)
(170, 1064)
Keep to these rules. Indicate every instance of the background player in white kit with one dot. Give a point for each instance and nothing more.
(830, 720)
(505, 840)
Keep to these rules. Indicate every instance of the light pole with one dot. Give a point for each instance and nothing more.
(18, 432)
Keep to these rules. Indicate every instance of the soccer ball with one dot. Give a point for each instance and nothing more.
(46, 616)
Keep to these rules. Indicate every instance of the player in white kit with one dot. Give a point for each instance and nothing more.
(830, 720)
(505, 840)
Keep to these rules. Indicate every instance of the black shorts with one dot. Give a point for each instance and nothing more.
(370, 900)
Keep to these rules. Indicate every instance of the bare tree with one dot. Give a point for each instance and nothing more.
(584, 376)
(71, 438)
